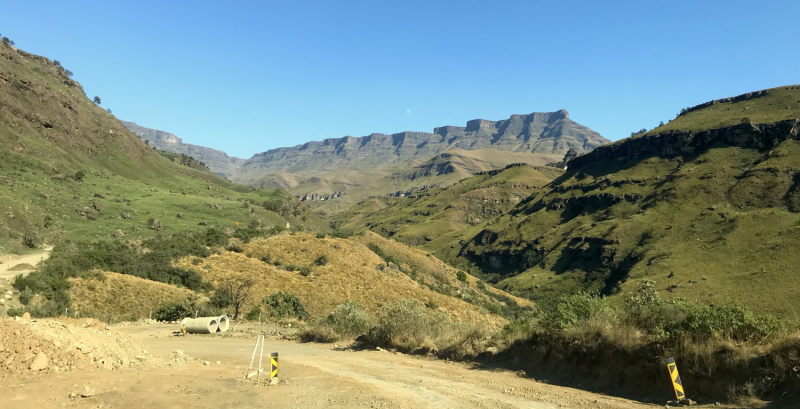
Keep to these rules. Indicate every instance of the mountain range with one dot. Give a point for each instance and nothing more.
(379, 163)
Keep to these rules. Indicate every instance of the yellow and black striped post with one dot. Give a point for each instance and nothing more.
(274, 359)
(676, 379)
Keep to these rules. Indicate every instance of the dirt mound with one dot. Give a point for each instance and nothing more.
(118, 297)
(64, 345)
(22, 267)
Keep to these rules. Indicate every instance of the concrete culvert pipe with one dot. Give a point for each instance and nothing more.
(223, 323)
(202, 325)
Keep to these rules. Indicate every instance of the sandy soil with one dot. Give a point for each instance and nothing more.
(311, 376)
(11, 260)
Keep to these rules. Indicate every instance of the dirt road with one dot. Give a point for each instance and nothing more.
(10, 260)
(312, 376)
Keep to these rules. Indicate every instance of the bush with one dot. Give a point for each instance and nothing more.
(572, 309)
(305, 271)
(235, 248)
(253, 314)
(266, 258)
(284, 305)
(387, 258)
(79, 175)
(321, 260)
(172, 312)
(30, 239)
(462, 276)
(349, 318)
(408, 325)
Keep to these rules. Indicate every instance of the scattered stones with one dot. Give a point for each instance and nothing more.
(99, 196)
(203, 223)
(274, 381)
(125, 215)
(97, 206)
(179, 215)
(118, 233)
(394, 266)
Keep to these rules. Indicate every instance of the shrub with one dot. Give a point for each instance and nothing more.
(321, 260)
(30, 239)
(172, 311)
(387, 258)
(572, 309)
(349, 318)
(235, 248)
(305, 271)
(462, 276)
(284, 305)
(79, 175)
(266, 258)
(481, 285)
(408, 325)
(253, 314)
(321, 235)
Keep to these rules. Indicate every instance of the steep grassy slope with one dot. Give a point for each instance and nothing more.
(69, 169)
(352, 271)
(428, 215)
(711, 215)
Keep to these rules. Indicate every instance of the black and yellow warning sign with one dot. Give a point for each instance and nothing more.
(274, 359)
(676, 379)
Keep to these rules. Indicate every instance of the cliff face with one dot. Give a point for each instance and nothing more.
(547, 133)
(671, 143)
(219, 162)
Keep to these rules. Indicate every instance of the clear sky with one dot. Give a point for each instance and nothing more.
(247, 76)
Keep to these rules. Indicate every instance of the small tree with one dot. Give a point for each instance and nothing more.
(109, 110)
(69, 73)
(6, 41)
(462, 276)
(97, 100)
(233, 292)
(79, 175)
(56, 63)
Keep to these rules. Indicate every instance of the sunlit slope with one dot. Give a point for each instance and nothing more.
(425, 216)
(352, 271)
(70, 170)
(710, 214)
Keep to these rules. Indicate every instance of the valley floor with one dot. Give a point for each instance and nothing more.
(312, 376)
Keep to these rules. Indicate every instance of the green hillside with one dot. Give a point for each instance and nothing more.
(423, 217)
(710, 214)
(71, 170)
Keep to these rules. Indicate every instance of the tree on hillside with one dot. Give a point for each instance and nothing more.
(97, 100)
(232, 292)
(6, 41)
(69, 73)
(56, 63)
(109, 110)
(639, 132)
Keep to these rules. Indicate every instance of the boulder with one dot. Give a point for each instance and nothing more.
(40, 362)
(118, 233)
(179, 215)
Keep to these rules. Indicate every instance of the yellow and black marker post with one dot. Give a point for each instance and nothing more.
(274, 359)
(676, 379)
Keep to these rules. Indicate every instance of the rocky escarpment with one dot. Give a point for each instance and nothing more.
(550, 133)
(219, 162)
(671, 143)
(738, 98)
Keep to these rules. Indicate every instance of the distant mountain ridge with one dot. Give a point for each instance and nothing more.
(538, 132)
(218, 161)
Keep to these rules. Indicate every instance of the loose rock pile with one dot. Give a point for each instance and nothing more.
(41, 346)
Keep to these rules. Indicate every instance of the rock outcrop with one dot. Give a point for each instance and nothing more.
(670, 143)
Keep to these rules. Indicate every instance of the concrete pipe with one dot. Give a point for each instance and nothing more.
(223, 323)
(202, 325)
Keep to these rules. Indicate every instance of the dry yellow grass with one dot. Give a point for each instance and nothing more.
(427, 265)
(349, 274)
(121, 296)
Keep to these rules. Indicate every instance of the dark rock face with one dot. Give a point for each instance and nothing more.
(219, 162)
(549, 132)
(671, 143)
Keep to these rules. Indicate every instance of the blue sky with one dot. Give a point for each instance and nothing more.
(245, 77)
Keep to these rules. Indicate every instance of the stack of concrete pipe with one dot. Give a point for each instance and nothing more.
(206, 325)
